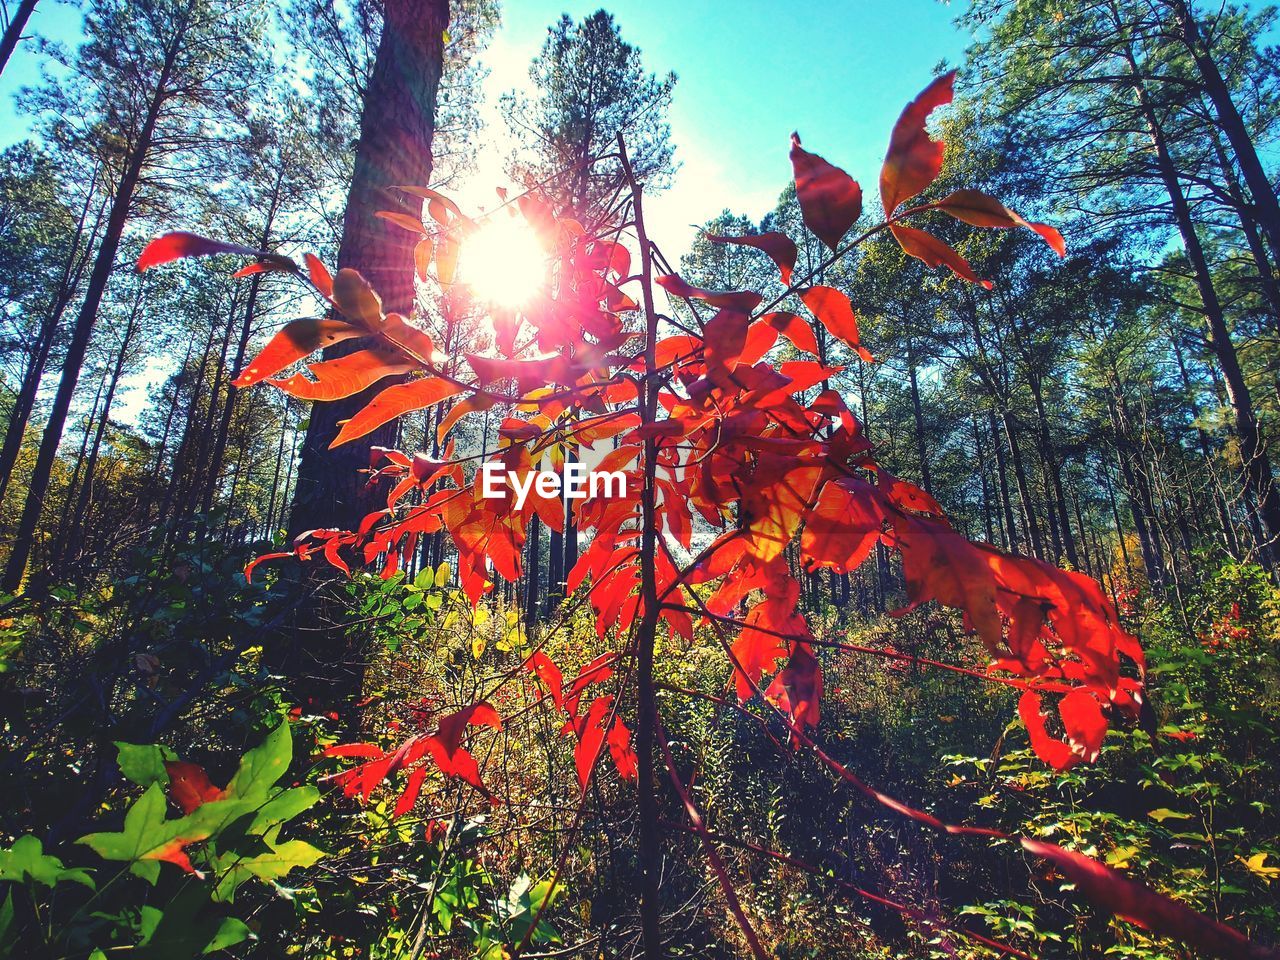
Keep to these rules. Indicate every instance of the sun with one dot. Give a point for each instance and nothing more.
(504, 263)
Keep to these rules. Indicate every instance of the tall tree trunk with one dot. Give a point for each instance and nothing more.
(13, 32)
(1266, 206)
(103, 264)
(926, 479)
(1029, 522)
(1206, 452)
(70, 541)
(1002, 478)
(1053, 470)
(24, 403)
(1249, 227)
(396, 128)
(1258, 476)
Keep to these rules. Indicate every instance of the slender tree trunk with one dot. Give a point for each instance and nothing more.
(646, 634)
(1258, 476)
(104, 263)
(1249, 227)
(1265, 204)
(24, 403)
(1029, 522)
(1206, 452)
(70, 541)
(1002, 477)
(926, 479)
(982, 474)
(13, 32)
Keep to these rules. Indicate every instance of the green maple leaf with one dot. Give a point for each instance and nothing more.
(280, 858)
(26, 859)
(148, 838)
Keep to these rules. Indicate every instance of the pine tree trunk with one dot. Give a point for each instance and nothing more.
(104, 263)
(13, 32)
(1002, 477)
(1265, 204)
(396, 128)
(69, 544)
(1258, 476)
(72, 271)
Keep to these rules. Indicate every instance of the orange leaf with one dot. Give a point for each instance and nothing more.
(744, 301)
(981, 210)
(925, 246)
(836, 313)
(795, 329)
(780, 248)
(180, 244)
(830, 199)
(914, 159)
(624, 757)
(344, 376)
(295, 340)
(319, 274)
(356, 300)
(393, 402)
(190, 786)
(475, 403)
(402, 220)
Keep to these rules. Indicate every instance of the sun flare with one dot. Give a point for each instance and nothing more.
(504, 263)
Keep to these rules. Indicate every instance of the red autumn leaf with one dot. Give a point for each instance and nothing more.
(446, 745)
(263, 266)
(794, 328)
(1048, 748)
(830, 199)
(476, 403)
(404, 220)
(624, 757)
(934, 253)
(981, 210)
(545, 670)
(321, 279)
(356, 300)
(725, 335)
(836, 313)
(590, 731)
(743, 301)
(344, 376)
(939, 564)
(844, 525)
(1116, 894)
(297, 339)
(179, 244)
(1084, 723)
(190, 786)
(394, 401)
(780, 248)
(797, 689)
(914, 159)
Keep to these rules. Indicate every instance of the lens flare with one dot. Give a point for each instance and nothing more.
(504, 263)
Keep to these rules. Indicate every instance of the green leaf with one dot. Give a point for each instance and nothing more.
(231, 932)
(1164, 813)
(26, 860)
(148, 837)
(262, 766)
(143, 763)
(281, 857)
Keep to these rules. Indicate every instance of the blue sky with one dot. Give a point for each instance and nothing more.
(750, 73)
